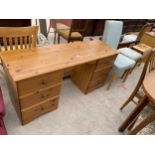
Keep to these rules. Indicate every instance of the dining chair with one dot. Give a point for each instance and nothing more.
(57, 24)
(111, 35)
(140, 95)
(133, 53)
(148, 67)
(13, 38)
(43, 27)
(75, 33)
(132, 38)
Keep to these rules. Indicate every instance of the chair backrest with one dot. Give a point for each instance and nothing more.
(112, 32)
(43, 27)
(146, 28)
(53, 22)
(79, 26)
(12, 38)
(152, 61)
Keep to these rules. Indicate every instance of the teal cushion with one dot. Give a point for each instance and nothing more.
(130, 53)
(123, 63)
(112, 32)
(129, 38)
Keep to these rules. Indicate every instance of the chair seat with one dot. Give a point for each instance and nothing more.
(65, 34)
(61, 26)
(123, 63)
(142, 48)
(129, 38)
(130, 53)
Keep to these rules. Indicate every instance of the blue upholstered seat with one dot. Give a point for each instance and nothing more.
(129, 38)
(132, 54)
(123, 63)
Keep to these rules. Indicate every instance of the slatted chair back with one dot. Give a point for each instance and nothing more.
(152, 62)
(146, 28)
(79, 26)
(12, 38)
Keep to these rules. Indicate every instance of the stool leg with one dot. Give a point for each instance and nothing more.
(126, 75)
(144, 123)
(123, 74)
(134, 114)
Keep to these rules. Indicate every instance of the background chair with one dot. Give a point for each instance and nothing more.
(57, 24)
(132, 38)
(2, 113)
(43, 27)
(75, 33)
(13, 38)
(111, 35)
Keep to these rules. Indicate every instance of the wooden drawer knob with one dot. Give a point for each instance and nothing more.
(44, 82)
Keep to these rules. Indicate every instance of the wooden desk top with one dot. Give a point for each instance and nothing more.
(149, 86)
(27, 63)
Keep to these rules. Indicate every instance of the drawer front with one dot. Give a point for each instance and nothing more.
(101, 73)
(97, 80)
(43, 81)
(95, 85)
(105, 63)
(39, 96)
(31, 113)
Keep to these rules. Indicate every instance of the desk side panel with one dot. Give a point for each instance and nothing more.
(12, 91)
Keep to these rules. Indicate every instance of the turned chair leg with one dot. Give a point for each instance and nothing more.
(55, 35)
(144, 123)
(134, 114)
(123, 74)
(133, 123)
(58, 38)
(126, 75)
(111, 81)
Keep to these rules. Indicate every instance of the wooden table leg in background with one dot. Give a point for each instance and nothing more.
(134, 114)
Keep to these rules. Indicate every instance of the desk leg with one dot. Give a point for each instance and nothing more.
(134, 114)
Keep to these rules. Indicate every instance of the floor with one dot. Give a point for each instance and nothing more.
(95, 113)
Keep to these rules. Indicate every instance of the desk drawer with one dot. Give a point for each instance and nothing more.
(39, 96)
(95, 84)
(37, 110)
(97, 80)
(43, 81)
(105, 63)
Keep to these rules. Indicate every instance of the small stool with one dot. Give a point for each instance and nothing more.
(143, 49)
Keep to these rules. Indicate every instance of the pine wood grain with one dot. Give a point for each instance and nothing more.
(41, 60)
